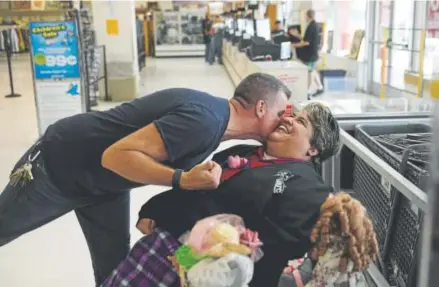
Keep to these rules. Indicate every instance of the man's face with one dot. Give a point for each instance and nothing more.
(293, 136)
(270, 116)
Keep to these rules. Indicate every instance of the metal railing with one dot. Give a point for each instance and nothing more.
(407, 188)
(95, 59)
(428, 276)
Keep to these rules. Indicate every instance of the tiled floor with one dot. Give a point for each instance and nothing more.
(56, 255)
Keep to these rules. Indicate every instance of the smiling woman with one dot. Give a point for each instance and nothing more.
(311, 134)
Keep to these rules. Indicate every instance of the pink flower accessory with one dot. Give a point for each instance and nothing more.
(236, 161)
(250, 238)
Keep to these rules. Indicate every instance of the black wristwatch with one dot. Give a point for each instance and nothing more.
(176, 178)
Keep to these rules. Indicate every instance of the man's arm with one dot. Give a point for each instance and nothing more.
(300, 44)
(137, 157)
(307, 39)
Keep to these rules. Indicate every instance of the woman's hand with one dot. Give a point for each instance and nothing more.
(146, 226)
(293, 265)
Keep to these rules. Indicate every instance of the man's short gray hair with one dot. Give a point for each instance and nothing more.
(326, 136)
(311, 14)
(260, 86)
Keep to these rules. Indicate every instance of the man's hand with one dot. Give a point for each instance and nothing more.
(203, 176)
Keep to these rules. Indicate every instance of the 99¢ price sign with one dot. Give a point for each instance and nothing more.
(54, 48)
(61, 61)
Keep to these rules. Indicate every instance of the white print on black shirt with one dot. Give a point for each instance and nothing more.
(282, 177)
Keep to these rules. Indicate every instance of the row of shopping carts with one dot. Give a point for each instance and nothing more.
(398, 222)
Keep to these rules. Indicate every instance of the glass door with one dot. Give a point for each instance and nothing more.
(392, 47)
(400, 43)
(380, 60)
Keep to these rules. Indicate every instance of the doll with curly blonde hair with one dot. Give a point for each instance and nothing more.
(344, 245)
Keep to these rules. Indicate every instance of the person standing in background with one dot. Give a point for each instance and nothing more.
(308, 49)
(278, 29)
(206, 26)
(216, 41)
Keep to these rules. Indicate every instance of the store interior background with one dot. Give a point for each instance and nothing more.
(397, 77)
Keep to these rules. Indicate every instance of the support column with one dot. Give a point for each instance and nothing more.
(296, 11)
(272, 15)
(115, 25)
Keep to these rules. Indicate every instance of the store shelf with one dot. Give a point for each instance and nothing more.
(179, 50)
(178, 34)
(12, 13)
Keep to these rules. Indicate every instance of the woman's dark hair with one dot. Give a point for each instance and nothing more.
(326, 131)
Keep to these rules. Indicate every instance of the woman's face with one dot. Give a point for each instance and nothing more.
(292, 137)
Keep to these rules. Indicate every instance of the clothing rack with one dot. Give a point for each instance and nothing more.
(19, 39)
(8, 49)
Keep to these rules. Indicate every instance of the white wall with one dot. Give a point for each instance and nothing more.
(298, 6)
(122, 47)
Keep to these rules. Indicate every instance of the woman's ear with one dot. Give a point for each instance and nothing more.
(260, 109)
(312, 152)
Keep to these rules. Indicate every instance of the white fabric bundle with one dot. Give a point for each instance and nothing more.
(233, 270)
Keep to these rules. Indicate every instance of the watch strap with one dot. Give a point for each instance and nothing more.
(176, 178)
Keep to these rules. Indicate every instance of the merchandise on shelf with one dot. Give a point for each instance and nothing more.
(179, 33)
(18, 38)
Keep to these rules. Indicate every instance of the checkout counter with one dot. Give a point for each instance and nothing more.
(238, 63)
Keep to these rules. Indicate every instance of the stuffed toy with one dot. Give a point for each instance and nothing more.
(344, 245)
(218, 251)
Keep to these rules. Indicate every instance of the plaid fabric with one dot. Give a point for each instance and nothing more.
(147, 264)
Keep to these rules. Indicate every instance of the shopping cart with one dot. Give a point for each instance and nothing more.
(397, 221)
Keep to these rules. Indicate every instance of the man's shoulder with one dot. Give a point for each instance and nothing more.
(181, 92)
(311, 29)
(175, 97)
(313, 25)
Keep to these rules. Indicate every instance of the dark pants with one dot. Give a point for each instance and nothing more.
(104, 219)
(215, 50)
(206, 51)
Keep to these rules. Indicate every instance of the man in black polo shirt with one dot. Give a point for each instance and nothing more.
(89, 162)
(308, 52)
(278, 30)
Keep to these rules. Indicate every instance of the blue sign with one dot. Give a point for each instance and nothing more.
(54, 48)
